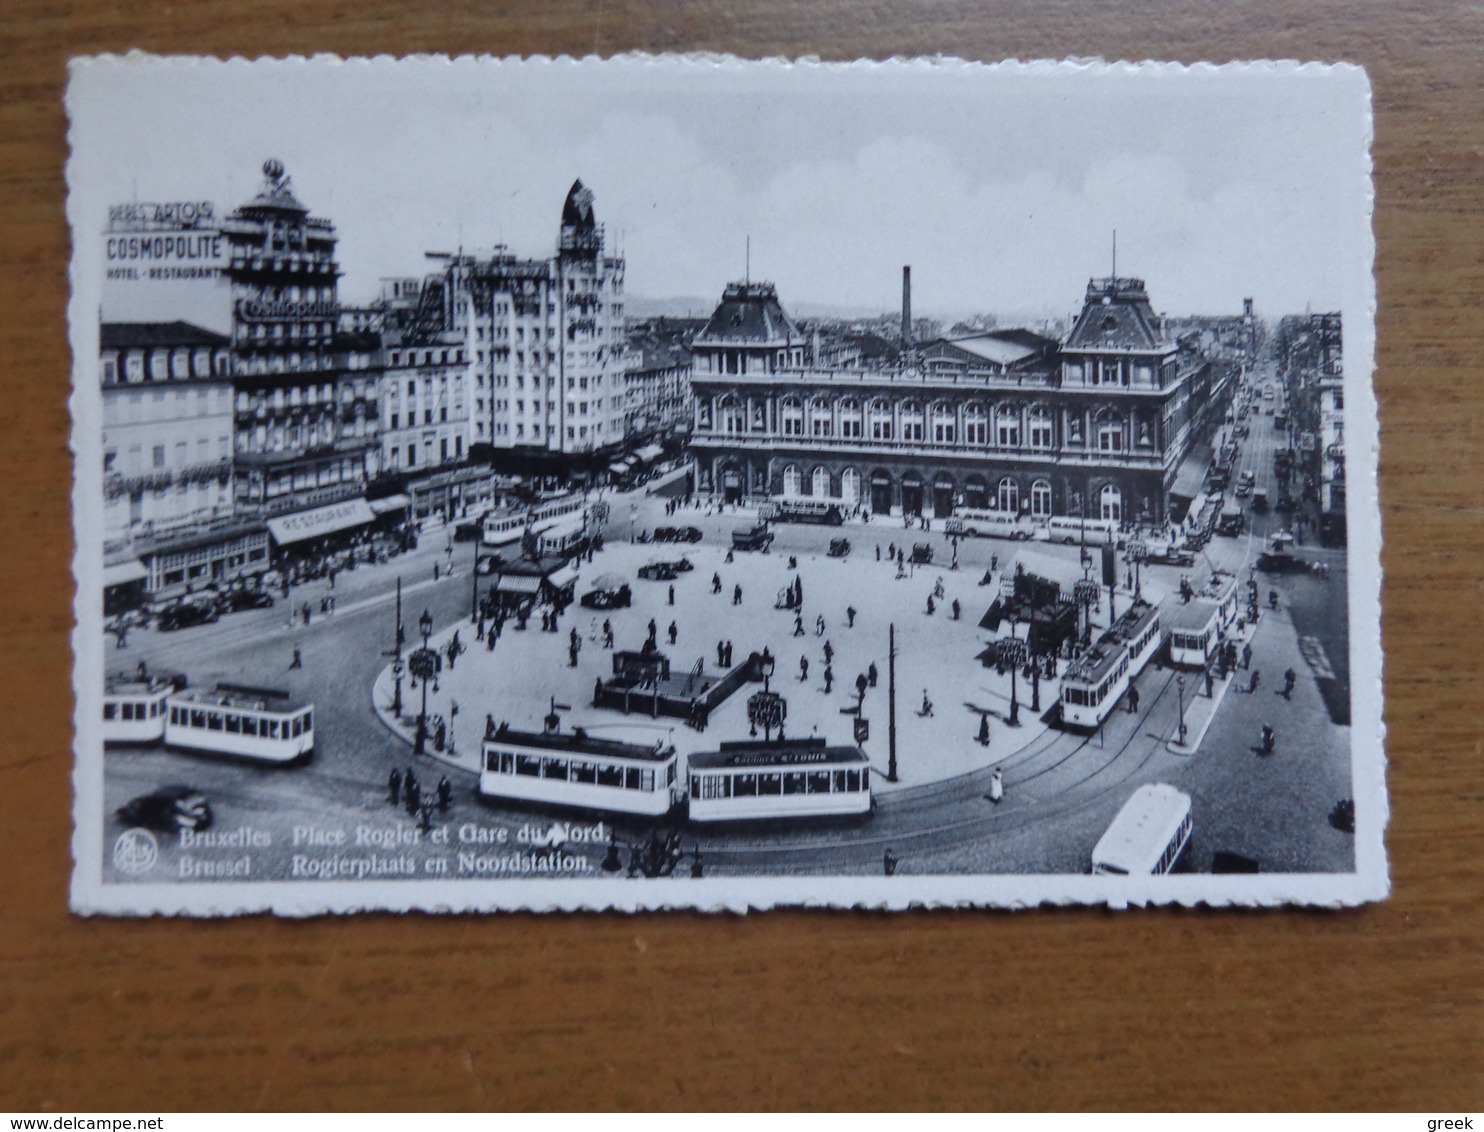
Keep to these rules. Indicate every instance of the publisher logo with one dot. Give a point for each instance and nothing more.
(135, 851)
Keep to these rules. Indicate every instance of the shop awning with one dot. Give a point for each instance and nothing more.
(320, 521)
(390, 503)
(123, 572)
(650, 452)
(518, 584)
(1190, 478)
(561, 579)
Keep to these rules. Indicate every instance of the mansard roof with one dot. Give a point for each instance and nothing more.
(749, 314)
(1116, 315)
(147, 335)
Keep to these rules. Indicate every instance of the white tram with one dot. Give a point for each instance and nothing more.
(782, 778)
(568, 768)
(1148, 835)
(261, 724)
(134, 707)
(506, 525)
(1198, 626)
(1093, 683)
(563, 538)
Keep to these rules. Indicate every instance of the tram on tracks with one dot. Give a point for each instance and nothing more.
(134, 706)
(1093, 683)
(1148, 836)
(783, 778)
(506, 525)
(572, 769)
(1198, 627)
(261, 724)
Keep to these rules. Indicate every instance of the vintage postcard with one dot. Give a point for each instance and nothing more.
(668, 482)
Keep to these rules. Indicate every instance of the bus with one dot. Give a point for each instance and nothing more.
(571, 769)
(1092, 532)
(1148, 835)
(971, 523)
(797, 509)
(781, 778)
(134, 707)
(261, 724)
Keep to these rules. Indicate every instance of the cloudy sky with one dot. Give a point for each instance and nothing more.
(1001, 187)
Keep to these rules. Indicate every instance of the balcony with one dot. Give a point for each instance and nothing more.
(1148, 459)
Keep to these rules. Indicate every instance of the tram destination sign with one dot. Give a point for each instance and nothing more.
(963, 411)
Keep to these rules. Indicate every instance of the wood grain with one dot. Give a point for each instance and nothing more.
(1375, 1008)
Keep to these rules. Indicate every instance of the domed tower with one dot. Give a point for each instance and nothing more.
(582, 235)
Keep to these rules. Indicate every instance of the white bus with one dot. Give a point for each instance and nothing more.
(1148, 835)
(800, 509)
(134, 707)
(567, 768)
(262, 724)
(1092, 532)
(784, 778)
(973, 523)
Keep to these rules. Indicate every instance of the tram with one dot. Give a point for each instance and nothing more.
(134, 707)
(563, 539)
(1093, 683)
(569, 768)
(1198, 626)
(261, 724)
(1148, 836)
(782, 778)
(506, 525)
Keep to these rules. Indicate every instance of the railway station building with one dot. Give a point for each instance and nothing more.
(1096, 426)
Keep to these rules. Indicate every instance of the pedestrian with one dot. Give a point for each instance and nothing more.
(983, 738)
(819, 626)
(996, 786)
(871, 674)
(304, 612)
(1272, 599)
(394, 786)
(1246, 657)
(721, 654)
(798, 624)
(1210, 684)
(927, 704)
(597, 689)
(938, 589)
(672, 595)
(1254, 682)
(889, 862)
(1290, 678)
(435, 571)
(490, 638)
(829, 652)
(956, 609)
(673, 632)
(829, 679)
(716, 583)
(489, 725)
(298, 661)
(729, 654)
(994, 563)
(850, 615)
(736, 595)
(121, 634)
(654, 631)
(445, 794)
(803, 669)
(414, 797)
(930, 605)
(607, 633)
(860, 685)
(878, 552)
(1133, 700)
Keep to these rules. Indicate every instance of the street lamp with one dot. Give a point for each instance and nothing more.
(1012, 651)
(423, 664)
(1137, 550)
(766, 710)
(1085, 593)
(1180, 688)
(766, 664)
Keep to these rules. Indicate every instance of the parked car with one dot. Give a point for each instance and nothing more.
(839, 547)
(922, 553)
(236, 600)
(752, 538)
(676, 534)
(620, 598)
(184, 614)
(1270, 563)
(1169, 556)
(659, 572)
(168, 809)
(663, 534)
(1244, 490)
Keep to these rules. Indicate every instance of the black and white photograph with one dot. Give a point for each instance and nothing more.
(685, 482)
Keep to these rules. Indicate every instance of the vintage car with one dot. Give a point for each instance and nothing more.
(1270, 563)
(236, 600)
(184, 614)
(168, 809)
(608, 596)
(1169, 556)
(922, 553)
(752, 538)
(676, 534)
(839, 547)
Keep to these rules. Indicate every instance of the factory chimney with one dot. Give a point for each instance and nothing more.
(907, 307)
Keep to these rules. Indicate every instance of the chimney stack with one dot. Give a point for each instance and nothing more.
(907, 307)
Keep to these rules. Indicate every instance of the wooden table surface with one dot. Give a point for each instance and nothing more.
(1371, 1008)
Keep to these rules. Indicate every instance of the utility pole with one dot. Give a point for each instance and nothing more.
(891, 703)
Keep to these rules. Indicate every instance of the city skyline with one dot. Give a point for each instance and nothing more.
(1211, 197)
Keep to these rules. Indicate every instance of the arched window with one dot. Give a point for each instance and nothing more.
(881, 420)
(1007, 426)
(976, 493)
(793, 481)
(1110, 435)
(1110, 504)
(1041, 499)
(850, 420)
(850, 486)
(912, 427)
(976, 425)
(819, 483)
(945, 424)
(821, 418)
(792, 415)
(733, 421)
(1007, 498)
(1041, 430)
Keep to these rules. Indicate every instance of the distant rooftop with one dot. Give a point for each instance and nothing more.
(749, 314)
(1116, 315)
(123, 335)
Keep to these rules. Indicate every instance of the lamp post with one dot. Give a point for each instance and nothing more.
(1180, 689)
(767, 710)
(1137, 550)
(397, 652)
(1013, 652)
(423, 664)
(1085, 593)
